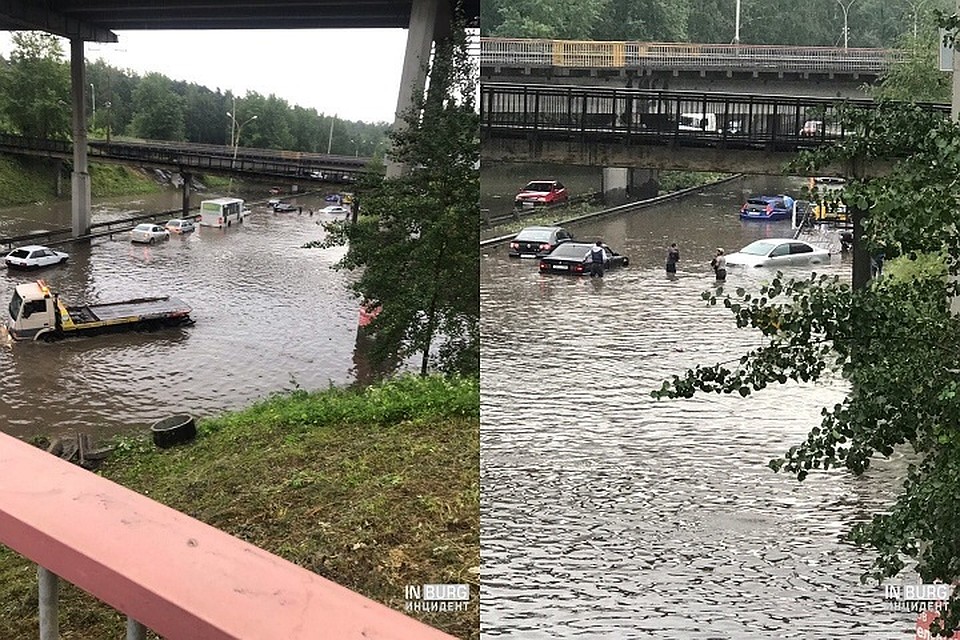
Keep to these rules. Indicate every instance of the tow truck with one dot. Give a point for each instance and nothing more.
(37, 313)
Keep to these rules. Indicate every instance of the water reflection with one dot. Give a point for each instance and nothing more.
(268, 314)
(609, 514)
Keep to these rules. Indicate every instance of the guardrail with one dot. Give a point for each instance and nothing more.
(166, 571)
(515, 52)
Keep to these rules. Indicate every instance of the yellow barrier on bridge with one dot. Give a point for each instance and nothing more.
(582, 53)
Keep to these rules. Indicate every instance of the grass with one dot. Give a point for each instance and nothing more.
(374, 489)
(114, 180)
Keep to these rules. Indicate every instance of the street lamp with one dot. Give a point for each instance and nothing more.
(93, 98)
(846, 30)
(235, 133)
(736, 32)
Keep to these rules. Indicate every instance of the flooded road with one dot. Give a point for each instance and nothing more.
(608, 514)
(269, 316)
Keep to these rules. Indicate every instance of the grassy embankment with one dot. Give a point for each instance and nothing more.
(29, 180)
(374, 489)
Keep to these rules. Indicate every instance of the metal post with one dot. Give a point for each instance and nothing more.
(135, 630)
(861, 259)
(49, 604)
(736, 33)
(955, 100)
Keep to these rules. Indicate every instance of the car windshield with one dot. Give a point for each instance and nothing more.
(759, 248)
(534, 235)
(15, 304)
(144, 227)
(174, 223)
(571, 250)
(759, 201)
(19, 253)
(538, 186)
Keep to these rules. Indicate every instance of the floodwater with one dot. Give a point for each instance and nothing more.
(270, 316)
(608, 514)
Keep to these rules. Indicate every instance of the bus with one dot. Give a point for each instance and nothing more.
(222, 212)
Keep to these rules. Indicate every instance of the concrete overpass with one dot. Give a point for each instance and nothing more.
(754, 69)
(83, 21)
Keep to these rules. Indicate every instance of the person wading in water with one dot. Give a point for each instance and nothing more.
(597, 257)
(719, 264)
(673, 257)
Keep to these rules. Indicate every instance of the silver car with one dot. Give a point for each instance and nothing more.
(34, 256)
(777, 252)
(149, 233)
(180, 226)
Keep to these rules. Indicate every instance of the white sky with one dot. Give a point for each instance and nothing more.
(351, 73)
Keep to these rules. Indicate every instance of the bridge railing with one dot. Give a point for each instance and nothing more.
(165, 570)
(667, 117)
(516, 52)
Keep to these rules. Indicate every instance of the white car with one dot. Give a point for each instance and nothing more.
(336, 209)
(149, 233)
(34, 256)
(180, 226)
(776, 252)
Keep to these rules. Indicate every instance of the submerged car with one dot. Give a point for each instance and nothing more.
(34, 256)
(336, 209)
(149, 233)
(541, 193)
(179, 225)
(533, 242)
(574, 258)
(777, 252)
(779, 207)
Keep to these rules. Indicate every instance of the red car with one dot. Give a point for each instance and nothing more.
(541, 193)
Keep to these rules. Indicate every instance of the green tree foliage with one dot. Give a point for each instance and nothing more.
(918, 78)
(872, 23)
(415, 244)
(159, 110)
(562, 19)
(35, 100)
(896, 342)
(36, 87)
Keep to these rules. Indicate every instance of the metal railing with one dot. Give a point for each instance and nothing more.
(643, 116)
(164, 570)
(513, 52)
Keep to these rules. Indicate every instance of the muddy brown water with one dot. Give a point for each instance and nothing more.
(608, 514)
(270, 316)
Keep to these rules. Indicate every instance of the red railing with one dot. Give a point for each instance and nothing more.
(165, 570)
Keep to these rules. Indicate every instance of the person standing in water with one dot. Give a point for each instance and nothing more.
(597, 257)
(719, 264)
(673, 257)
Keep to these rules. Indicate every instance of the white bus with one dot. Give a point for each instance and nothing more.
(222, 212)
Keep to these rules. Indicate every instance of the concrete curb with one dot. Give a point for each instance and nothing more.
(624, 208)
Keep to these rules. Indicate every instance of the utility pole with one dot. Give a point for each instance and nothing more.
(736, 30)
(330, 137)
(846, 29)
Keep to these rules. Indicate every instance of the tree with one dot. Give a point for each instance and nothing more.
(415, 244)
(896, 342)
(918, 77)
(549, 19)
(159, 109)
(37, 86)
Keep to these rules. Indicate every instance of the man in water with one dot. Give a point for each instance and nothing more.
(673, 257)
(597, 257)
(719, 264)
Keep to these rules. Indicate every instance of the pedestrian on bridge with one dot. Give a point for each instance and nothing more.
(673, 257)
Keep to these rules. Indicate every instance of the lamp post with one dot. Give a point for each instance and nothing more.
(846, 30)
(736, 31)
(235, 137)
(93, 98)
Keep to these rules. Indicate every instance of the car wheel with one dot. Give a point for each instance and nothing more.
(153, 240)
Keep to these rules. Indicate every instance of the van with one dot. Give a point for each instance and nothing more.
(222, 212)
(698, 122)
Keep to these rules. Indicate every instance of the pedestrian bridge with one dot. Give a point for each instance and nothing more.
(683, 130)
(822, 71)
(186, 158)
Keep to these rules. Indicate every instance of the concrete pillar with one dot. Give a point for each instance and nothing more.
(416, 60)
(615, 181)
(135, 630)
(185, 192)
(644, 183)
(80, 180)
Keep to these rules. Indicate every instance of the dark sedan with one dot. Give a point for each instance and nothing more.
(574, 258)
(534, 242)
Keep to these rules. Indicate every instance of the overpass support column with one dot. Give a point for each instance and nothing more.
(416, 60)
(185, 192)
(644, 183)
(80, 180)
(616, 181)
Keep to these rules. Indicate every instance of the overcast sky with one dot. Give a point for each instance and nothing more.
(353, 74)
